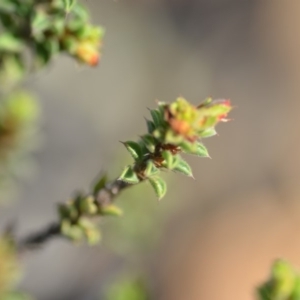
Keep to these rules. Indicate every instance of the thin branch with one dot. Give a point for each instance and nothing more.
(105, 196)
(35, 240)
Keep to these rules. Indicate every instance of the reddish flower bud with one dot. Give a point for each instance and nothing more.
(88, 53)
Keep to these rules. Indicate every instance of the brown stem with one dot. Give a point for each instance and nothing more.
(35, 240)
(104, 197)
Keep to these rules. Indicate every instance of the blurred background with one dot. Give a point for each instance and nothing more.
(212, 238)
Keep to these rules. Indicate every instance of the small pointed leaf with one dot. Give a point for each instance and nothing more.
(134, 149)
(151, 169)
(188, 147)
(150, 126)
(86, 223)
(144, 149)
(208, 132)
(128, 175)
(176, 159)
(73, 232)
(111, 210)
(201, 150)
(149, 142)
(195, 149)
(69, 4)
(93, 236)
(206, 102)
(88, 205)
(168, 159)
(100, 184)
(161, 109)
(183, 167)
(159, 186)
(156, 116)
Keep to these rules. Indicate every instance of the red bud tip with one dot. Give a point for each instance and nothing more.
(88, 53)
(94, 60)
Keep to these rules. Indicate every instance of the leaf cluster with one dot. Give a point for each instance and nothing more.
(42, 29)
(175, 128)
(78, 217)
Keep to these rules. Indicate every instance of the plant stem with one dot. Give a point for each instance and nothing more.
(104, 196)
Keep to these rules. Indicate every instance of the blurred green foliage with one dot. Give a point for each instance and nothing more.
(19, 116)
(283, 284)
(9, 271)
(32, 32)
(127, 288)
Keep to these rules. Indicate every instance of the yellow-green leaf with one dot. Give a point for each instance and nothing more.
(111, 210)
(128, 175)
(134, 149)
(151, 169)
(159, 186)
(207, 132)
(183, 167)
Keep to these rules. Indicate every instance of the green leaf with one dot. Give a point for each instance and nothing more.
(149, 142)
(150, 126)
(134, 149)
(168, 159)
(188, 147)
(85, 223)
(111, 210)
(93, 236)
(201, 150)
(159, 186)
(151, 169)
(8, 6)
(207, 132)
(10, 43)
(69, 5)
(128, 175)
(70, 44)
(100, 184)
(68, 210)
(206, 102)
(156, 116)
(90, 230)
(158, 134)
(173, 138)
(176, 159)
(80, 12)
(216, 108)
(73, 232)
(195, 149)
(78, 26)
(39, 23)
(58, 26)
(183, 167)
(88, 206)
(161, 109)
